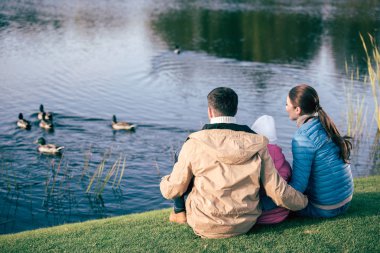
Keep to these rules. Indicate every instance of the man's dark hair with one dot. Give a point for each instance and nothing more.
(223, 100)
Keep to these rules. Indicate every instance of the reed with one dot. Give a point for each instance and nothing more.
(64, 178)
(173, 154)
(114, 172)
(47, 182)
(96, 174)
(373, 67)
(117, 172)
(1, 167)
(110, 173)
(122, 172)
(8, 180)
(356, 113)
(5, 175)
(157, 168)
(55, 175)
(87, 159)
(356, 109)
(374, 154)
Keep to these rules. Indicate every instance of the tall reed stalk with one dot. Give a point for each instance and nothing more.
(373, 66)
(7, 176)
(96, 174)
(157, 168)
(122, 172)
(55, 175)
(114, 172)
(87, 159)
(110, 173)
(117, 172)
(356, 110)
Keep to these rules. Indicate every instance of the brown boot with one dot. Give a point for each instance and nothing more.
(179, 218)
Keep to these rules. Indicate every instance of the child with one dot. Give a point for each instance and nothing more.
(271, 214)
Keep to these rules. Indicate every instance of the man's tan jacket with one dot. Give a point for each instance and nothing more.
(228, 167)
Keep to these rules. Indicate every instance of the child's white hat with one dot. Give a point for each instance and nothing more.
(265, 125)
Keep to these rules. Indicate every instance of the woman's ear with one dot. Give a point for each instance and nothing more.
(298, 110)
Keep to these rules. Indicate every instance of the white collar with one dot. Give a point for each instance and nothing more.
(222, 119)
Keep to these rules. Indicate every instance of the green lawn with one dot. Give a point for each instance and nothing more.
(356, 231)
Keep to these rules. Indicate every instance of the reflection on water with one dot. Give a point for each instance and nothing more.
(260, 36)
(86, 61)
(284, 33)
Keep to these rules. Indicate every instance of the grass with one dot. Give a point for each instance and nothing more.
(356, 231)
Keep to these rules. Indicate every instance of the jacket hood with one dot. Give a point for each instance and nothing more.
(230, 146)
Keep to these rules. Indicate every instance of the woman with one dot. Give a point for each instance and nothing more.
(321, 166)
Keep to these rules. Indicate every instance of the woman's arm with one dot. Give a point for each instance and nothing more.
(303, 155)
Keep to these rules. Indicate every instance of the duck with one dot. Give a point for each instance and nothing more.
(177, 50)
(23, 123)
(40, 114)
(122, 125)
(46, 123)
(48, 148)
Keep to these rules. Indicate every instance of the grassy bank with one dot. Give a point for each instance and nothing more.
(356, 231)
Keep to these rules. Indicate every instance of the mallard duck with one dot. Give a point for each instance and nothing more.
(177, 50)
(122, 125)
(48, 115)
(46, 123)
(47, 148)
(23, 123)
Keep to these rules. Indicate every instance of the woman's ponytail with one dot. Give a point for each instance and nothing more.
(341, 141)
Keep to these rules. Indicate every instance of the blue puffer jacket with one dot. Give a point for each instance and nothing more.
(318, 170)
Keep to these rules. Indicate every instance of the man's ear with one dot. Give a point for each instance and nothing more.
(210, 112)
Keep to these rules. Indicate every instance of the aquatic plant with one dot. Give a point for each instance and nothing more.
(110, 173)
(157, 168)
(117, 171)
(96, 174)
(7, 175)
(356, 113)
(87, 159)
(114, 172)
(56, 172)
(122, 173)
(373, 67)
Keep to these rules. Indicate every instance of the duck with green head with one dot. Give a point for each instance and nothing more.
(23, 123)
(42, 111)
(122, 125)
(46, 123)
(48, 148)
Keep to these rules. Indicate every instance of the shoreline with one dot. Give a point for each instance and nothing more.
(356, 230)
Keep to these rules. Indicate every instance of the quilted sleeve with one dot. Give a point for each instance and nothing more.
(303, 155)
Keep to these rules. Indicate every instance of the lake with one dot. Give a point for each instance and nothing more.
(88, 60)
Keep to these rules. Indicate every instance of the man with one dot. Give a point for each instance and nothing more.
(223, 167)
